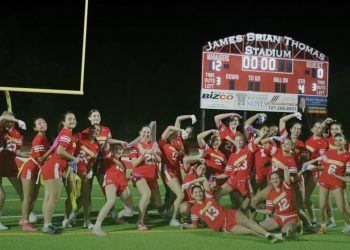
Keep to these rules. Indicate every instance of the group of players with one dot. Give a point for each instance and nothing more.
(264, 169)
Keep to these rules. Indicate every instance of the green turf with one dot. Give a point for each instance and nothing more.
(161, 236)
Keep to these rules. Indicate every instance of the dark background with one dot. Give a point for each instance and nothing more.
(143, 60)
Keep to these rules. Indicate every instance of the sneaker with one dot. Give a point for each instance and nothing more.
(73, 218)
(323, 230)
(272, 239)
(50, 230)
(331, 225)
(66, 223)
(174, 223)
(311, 229)
(88, 224)
(346, 229)
(33, 218)
(98, 232)
(3, 227)
(126, 212)
(279, 236)
(22, 222)
(141, 226)
(29, 227)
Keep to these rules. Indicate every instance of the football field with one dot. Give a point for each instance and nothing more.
(161, 236)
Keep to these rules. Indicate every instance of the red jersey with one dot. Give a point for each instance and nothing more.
(262, 156)
(210, 211)
(113, 164)
(147, 169)
(301, 154)
(340, 163)
(190, 176)
(288, 161)
(12, 139)
(86, 150)
(104, 134)
(331, 144)
(68, 141)
(215, 160)
(281, 201)
(40, 145)
(170, 155)
(239, 164)
(316, 147)
(227, 136)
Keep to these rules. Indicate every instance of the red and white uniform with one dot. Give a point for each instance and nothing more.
(316, 147)
(282, 203)
(239, 167)
(171, 157)
(213, 214)
(289, 161)
(30, 168)
(147, 169)
(262, 160)
(190, 176)
(56, 165)
(215, 162)
(227, 137)
(115, 173)
(331, 144)
(11, 141)
(340, 163)
(86, 151)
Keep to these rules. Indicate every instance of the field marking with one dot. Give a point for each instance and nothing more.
(88, 232)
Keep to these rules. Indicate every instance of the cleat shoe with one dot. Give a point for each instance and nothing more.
(3, 227)
(98, 232)
(29, 227)
(73, 218)
(88, 224)
(174, 223)
(50, 230)
(66, 223)
(331, 225)
(33, 218)
(141, 226)
(323, 230)
(279, 236)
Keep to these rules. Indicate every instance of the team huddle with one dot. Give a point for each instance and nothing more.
(264, 169)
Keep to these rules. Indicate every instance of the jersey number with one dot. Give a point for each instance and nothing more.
(211, 213)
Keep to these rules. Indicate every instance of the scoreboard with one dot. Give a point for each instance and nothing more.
(251, 74)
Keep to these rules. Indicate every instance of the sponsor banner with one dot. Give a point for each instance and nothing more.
(249, 101)
(312, 104)
(217, 99)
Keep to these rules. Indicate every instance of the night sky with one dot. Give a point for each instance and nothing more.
(143, 61)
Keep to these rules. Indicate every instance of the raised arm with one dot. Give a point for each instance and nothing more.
(189, 159)
(285, 169)
(284, 119)
(220, 117)
(181, 118)
(201, 136)
(252, 119)
(169, 130)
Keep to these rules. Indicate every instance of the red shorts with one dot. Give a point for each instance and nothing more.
(169, 174)
(243, 186)
(262, 173)
(118, 180)
(8, 166)
(329, 186)
(281, 220)
(230, 220)
(29, 170)
(52, 170)
(152, 183)
(82, 169)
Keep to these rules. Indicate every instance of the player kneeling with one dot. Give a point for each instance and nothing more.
(280, 200)
(217, 218)
(115, 183)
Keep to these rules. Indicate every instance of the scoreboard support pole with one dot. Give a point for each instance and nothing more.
(203, 120)
(244, 116)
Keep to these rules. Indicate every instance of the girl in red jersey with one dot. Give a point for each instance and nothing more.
(115, 183)
(86, 151)
(280, 201)
(214, 158)
(238, 170)
(172, 154)
(145, 157)
(193, 176)
(217, 218)
(337, 161)
(55, 166)
(316, 146)
(30, 170)
(10, 144)
(227, 132)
